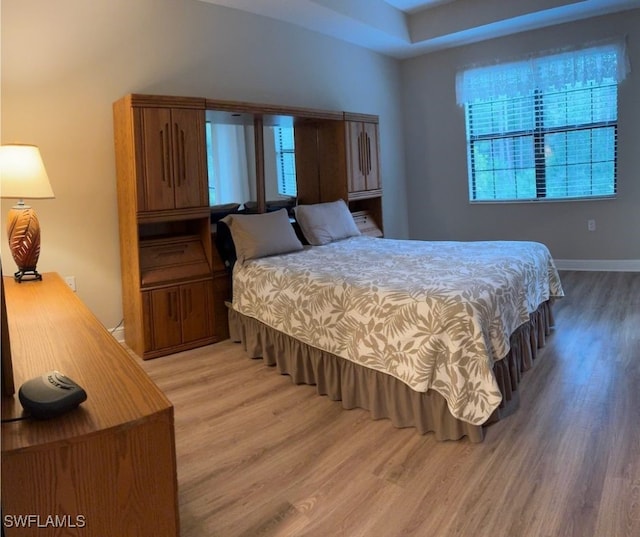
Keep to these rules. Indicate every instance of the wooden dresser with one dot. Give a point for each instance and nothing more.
(105, 468)
(164, 219)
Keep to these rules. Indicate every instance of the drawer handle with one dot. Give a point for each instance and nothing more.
(172, 251)
(164, 142)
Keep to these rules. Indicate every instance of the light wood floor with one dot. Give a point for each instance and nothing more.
(258, 456)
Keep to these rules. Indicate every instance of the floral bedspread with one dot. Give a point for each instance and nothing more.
(435, 315)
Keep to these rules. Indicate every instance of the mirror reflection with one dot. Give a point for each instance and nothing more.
(231, 162)
(279, 163)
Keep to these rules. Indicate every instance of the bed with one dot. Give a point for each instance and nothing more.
(432, 335)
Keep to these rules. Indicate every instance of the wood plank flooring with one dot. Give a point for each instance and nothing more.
(258, 456)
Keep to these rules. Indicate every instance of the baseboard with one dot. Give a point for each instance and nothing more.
(118, 333)
(604, 265)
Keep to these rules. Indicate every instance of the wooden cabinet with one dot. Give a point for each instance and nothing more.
(172, 158)
(178, 315)
(340, 159)
(105, 468)
(164, 218)
(363, 164)
(362, 155)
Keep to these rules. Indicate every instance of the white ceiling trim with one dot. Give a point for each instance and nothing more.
(407, 28)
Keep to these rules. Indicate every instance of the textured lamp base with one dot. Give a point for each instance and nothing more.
(23, 230)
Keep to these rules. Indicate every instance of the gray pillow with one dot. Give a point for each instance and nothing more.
(261, 235)
(323, 223)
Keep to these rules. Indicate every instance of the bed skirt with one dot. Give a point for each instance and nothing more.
(382, 395)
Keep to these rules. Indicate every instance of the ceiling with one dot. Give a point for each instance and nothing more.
(406, 28)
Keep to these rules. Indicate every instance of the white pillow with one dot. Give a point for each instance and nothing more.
(323, 223)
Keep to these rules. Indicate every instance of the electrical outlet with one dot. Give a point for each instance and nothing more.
(71, 282)
(591, 224)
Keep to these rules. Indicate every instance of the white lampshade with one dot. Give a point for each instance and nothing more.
(22, 173)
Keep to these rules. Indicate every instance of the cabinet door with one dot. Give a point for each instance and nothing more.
(189, 158)
(165, 317)
(173, 159)
(155, 175)
(362, 154)
(147, 322)
(355, 155)
(196, 310)
(370, 136)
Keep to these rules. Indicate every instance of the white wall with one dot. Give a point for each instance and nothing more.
(437, 164)
(65, 62)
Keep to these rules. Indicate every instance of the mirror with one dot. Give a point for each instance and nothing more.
(231, 162)
(279, 162)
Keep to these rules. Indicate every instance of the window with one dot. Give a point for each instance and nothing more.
(545, 128)
(285, 161)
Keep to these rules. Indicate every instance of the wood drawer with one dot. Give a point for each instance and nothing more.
(174, 258)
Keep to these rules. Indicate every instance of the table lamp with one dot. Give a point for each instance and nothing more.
(23, 176)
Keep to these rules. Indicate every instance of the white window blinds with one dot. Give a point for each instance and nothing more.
(544, 128)
(286, 161)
